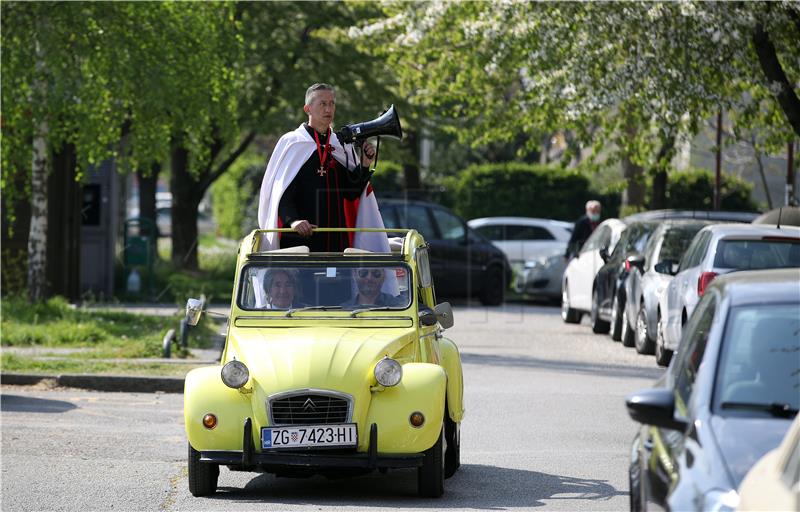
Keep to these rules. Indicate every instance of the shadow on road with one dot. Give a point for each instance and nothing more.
(474, 486)
(606, 370)
(16, 403)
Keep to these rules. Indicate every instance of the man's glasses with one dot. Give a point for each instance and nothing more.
(363, 273)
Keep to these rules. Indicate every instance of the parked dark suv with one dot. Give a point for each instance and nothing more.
(463, 263)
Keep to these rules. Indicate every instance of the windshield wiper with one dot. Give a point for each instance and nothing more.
(776, 409)
(377, 308)
(310, 308)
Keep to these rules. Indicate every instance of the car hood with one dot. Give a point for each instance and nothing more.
(313, 357)
(742, 441)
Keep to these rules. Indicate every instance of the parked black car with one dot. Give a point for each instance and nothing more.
(727, 398)
(608, 291)
(463, 263)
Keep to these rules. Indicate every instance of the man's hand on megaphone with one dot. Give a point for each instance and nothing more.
(367, 154)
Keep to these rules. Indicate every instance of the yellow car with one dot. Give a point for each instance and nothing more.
(334, 363)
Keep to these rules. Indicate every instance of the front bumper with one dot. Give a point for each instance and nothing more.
(249, 458)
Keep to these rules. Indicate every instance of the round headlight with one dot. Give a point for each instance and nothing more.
(388, 372)
(235, 374)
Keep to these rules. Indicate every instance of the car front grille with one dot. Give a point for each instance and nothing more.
(310, 408)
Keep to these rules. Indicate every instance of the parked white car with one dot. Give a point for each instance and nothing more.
(715, 250)
(576, 297)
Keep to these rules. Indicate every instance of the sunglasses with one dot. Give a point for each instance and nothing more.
(375, 273)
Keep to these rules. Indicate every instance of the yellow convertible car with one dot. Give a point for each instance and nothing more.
(334, 364)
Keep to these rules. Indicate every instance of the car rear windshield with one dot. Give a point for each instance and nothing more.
(759, 368)
(341, 286)
(677, 240)
(757, 254)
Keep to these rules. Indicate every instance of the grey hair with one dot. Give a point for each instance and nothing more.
(319, 87)
(591, 204)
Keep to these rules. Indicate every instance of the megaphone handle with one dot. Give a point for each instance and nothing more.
(377, 152)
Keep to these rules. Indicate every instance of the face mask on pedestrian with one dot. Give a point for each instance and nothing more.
(594, 217)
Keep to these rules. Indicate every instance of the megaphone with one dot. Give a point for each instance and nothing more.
(387, 124)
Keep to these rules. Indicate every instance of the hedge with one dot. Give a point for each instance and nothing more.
(693, 189)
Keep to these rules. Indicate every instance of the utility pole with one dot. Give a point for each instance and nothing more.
(718, 179)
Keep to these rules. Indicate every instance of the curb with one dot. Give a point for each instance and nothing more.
(113, 383)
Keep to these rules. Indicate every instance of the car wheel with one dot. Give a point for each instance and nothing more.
(634, 491)
(663, 355)
(452, 455)
(616, 319)
(627, 333)
(203, 476)
(598, 326)
(644, 344)
(494, 287)
(569, 315)
(430, 476)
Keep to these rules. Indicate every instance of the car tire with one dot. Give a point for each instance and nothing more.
(452, 454)
(430, 476)
(644, 343)
(568, 314)
(203, 476)
(626, 337)
(663, 354)
(616, 319)
(494, 287)
(598, 326)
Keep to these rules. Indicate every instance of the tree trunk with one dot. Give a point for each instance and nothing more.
(411, 177)
(665, 154)
(147, 193)
(634, 176)
(773, 71)
(64, 226)
(184, 210)
(37, 236)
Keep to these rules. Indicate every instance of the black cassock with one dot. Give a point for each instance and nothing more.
(318, 197)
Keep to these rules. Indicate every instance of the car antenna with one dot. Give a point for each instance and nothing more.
(780, 210)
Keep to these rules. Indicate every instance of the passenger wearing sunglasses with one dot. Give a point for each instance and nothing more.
(368, 283)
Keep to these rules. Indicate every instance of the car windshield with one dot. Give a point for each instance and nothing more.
(759, 368)
(677, 240)
(757, 254)
(346, 286)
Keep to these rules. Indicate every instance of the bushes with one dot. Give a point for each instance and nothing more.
(235, 193)
(521, 189)
(693, 189)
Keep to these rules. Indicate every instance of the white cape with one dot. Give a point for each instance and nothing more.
(290, 153)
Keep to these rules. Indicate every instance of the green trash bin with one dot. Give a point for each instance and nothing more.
(139, 247)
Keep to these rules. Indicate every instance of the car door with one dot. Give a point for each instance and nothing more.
(587, 264)
(464, 260)
(525, 242)
(663, 466)
(680, 286)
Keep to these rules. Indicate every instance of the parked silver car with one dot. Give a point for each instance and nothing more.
(720, 249)
(650, 273)
(534, 247)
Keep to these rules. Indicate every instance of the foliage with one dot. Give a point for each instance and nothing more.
(388, 179)
(627, 75)
(107, 334)
(510, 188)
(693, 189)
(233, 192)
(23, 364)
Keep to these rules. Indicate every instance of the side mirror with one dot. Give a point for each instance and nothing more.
(194, 309)
(427, 316)
(444, 314)
(604, 254)
(635, 260)
(667, 267)
(655, 407)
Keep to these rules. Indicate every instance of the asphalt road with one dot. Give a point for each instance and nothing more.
(545, 428)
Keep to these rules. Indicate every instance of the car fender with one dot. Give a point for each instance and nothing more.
(422, 389)
(451, 362)
(203, 393)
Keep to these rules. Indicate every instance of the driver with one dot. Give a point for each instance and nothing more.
(368, 282)
(281, 286)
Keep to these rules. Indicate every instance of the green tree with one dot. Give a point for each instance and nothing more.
(81, 74)
(626, 78)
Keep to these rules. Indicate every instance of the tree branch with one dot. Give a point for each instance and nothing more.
(771, 66)
(211, 177)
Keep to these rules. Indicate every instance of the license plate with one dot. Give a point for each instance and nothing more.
(303, 436)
